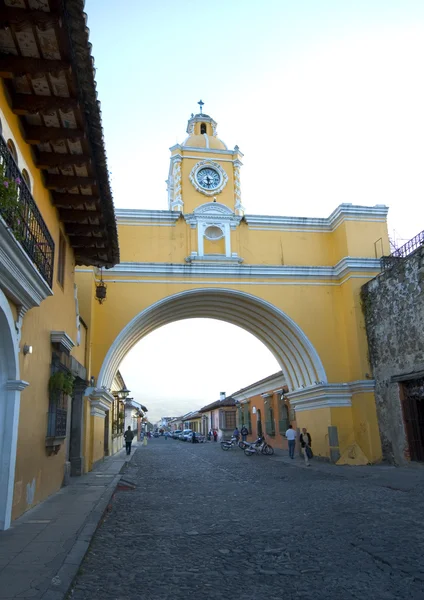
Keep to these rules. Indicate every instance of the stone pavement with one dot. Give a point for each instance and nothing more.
(217, 524)
(42, 551)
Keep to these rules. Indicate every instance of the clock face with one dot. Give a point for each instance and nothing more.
(208, 178)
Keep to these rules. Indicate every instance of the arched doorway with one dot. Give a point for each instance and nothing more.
(259, 431)
(10, 391)
(294, 352)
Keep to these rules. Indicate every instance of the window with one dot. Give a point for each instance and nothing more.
(270, 423)
(118, 416)
(202, 128)
(61, 260)
(284, 422)
(26, 178)
(259, 423)
(12, 149)
(230, 419)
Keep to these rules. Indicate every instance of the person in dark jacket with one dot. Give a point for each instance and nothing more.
(244, 433)
(306, 443)
(129, 436)
(193, 437)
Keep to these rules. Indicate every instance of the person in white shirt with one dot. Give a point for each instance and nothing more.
(291, 437)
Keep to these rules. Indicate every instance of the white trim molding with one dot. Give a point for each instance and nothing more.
(328, 395)
(100, 401)
(294, 352)
(203, 164)
(344, 212)
(264, 386)
(19, 278)
(368, 267)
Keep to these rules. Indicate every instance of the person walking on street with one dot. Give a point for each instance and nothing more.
(244, 433)
(129, 436)
(291, 438)
(215, 435)
(193, 437)
(236, 434)
(306, 442)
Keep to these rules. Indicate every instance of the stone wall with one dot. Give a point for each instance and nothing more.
(393, 306)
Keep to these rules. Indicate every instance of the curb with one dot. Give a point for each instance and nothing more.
(61, 583)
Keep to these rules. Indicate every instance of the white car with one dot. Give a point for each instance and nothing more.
(185, 434)
(199, 437)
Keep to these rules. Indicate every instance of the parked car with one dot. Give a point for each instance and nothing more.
(176, 433)
(184, 434)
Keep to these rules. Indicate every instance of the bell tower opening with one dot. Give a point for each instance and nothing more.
(202, 128)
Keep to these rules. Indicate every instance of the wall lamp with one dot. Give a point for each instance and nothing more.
(27, 349)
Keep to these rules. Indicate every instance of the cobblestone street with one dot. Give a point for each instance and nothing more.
(211, 524)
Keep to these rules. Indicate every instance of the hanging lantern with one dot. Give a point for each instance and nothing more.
(101, 289)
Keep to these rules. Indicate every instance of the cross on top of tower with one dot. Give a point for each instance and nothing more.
(200, 103)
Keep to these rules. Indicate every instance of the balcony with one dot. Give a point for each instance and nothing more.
(24, 220)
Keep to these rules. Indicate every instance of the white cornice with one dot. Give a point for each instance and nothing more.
(19, 278)
(260, 387)
(62, 338)
(100, 401)
(133, 216)
(368, 266)
(328, 395)
(344, 212)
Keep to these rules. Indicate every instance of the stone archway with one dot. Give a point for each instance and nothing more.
(294, 352)
(10, 394)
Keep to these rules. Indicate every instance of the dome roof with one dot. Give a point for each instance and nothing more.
(205, 141)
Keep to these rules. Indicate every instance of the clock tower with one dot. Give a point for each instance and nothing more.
(204, 170)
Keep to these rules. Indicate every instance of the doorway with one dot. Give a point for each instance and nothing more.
(413, 413)
(106, 440)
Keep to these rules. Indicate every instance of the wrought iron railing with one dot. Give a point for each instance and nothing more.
(25, 220)
(389, 261)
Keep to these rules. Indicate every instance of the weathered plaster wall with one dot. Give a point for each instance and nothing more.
(393, 305)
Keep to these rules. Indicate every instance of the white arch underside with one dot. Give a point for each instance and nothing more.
(295, 354)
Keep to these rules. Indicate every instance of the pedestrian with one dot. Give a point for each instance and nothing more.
(236, 434)
(193, 437)
(291, 437)
(210, 434)
(306, 443)
(215, 435)
(166, 435)
(244, 433)
(129, 436)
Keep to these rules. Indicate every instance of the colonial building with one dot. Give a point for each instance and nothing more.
(221, 417)
(56, 213)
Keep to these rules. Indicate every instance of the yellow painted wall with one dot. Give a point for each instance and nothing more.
(214, 246)
(98, 429)
(316, 422)
(36, 473)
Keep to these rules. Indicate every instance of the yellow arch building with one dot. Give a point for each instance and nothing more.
(292, 282)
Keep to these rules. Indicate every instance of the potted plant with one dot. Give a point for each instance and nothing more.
(9, 203)
(61, 382)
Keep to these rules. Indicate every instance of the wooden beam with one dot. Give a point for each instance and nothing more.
(74, 199)
(9, 16)
(86, 242)
(54, 182)
(36, 135)
(23, 104)
(45, 160)
(80, 229)
(11, 66)
(77, 216)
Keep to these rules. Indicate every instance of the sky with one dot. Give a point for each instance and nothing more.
(324, 98)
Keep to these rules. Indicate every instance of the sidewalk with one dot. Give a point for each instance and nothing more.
(42, 551)
(403, 479)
